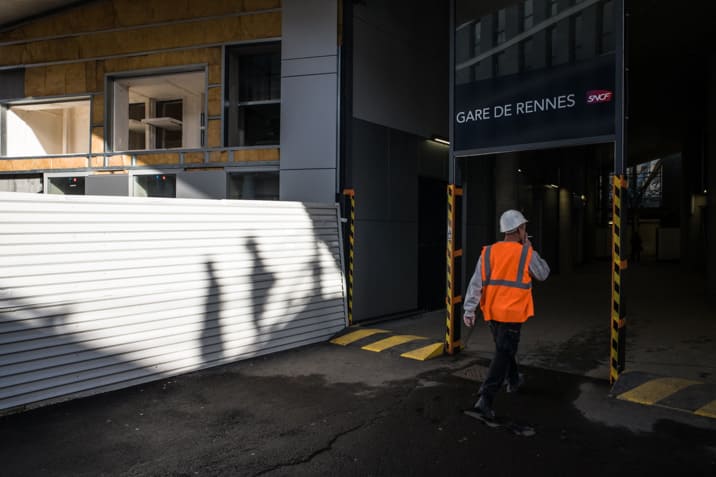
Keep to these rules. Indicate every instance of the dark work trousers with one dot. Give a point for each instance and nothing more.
(507, 338)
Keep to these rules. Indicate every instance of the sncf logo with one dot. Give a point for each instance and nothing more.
(599, 96)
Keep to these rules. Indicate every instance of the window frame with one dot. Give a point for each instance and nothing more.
(5, 105)
(53, 175)
(109, 103)
(248, 48)
(132, 174)
(251, 169)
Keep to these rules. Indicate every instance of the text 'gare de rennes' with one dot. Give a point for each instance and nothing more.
(564, 101)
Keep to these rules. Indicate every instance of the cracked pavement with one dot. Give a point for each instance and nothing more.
(329, 410)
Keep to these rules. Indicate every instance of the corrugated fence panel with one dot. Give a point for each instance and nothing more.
(101, 293)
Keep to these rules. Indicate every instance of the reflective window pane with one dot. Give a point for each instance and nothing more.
(490, 37)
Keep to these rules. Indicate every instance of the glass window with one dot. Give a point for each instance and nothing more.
(155, 185)
(71, 185)
(647, 179)
(46, 128)
(477, 35)
(580, 50)
(500, 27)
(500, 59)
(254, 185)
(558, 43)
(158, 111)
(527, 60)
(167, 138)
(554, 33)
(528, 15)
(553, 7)
(608, 28)
(253, 95)
(31, 183)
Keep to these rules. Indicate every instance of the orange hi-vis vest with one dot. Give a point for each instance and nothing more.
(506, 282)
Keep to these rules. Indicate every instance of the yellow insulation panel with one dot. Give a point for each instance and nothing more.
(194, 158)
(219, 156)
(97, 139)
(68, 162)
(98, 109)
(58, 80)
(214, 100)
(215, 73)
(112, 14)
(119, 160)
(80, 162)
(256, 155)
(213, 133)
(112, 43)
(157, 159)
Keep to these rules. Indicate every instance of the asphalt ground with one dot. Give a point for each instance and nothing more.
(333, 410)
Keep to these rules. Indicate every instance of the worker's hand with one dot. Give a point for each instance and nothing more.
(469, 320)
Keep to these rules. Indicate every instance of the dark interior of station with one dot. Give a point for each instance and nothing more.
(668, 237)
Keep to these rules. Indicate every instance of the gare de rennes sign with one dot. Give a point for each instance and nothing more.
(558, 104)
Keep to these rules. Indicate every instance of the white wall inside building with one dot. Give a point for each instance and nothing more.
(47, 128)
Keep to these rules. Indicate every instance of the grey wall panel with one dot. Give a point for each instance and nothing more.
(400, 66)
(433, 160)
(309, 66)
(100, 293)
(403, 165)
(309, 99)
(309, 28)
(313, 185)
(385, 174)
(371, 166)
(309, 121)
(386, 269)
(201, 185)
(117, 185)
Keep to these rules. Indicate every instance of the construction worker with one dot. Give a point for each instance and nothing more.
(502, 285)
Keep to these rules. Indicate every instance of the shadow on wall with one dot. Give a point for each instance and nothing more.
(262, 281)
(212, 340)
(43, 360)
(300, 291)
(51, 351)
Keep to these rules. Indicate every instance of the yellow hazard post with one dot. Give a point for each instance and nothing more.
(617, 356)
(454, 254)
(351, 194)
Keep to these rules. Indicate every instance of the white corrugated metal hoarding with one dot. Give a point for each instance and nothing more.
(101, 293)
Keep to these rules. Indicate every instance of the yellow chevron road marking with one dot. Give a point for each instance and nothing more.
(355, 336)
(655, 390)
(426, 352)
(708, 410)
(382, 345)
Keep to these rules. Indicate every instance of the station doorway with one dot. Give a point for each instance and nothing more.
(566, 195)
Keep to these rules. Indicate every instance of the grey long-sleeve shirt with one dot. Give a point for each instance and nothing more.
(538, 269)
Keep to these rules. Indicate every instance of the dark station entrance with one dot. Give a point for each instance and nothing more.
(669, 226)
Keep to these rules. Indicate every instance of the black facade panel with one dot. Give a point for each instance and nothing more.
(12, 84)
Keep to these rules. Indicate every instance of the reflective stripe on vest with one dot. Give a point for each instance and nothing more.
(517, 283)
(507, 285)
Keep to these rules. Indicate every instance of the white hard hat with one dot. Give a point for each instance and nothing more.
(511, 219)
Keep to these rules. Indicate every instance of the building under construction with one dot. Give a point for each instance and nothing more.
(430, 118)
